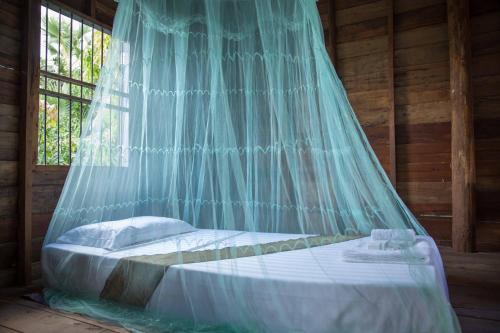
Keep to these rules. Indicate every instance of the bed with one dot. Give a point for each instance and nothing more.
(319, 291)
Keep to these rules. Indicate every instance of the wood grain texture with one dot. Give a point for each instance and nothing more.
(11, 39)
(485, 72)
(417, 60)
(462, 127)
(31, 71)
(26, 316)
(391, 115)
(357, 36)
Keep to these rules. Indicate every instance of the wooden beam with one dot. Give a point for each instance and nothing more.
(99, 7)
(390, 89)
(92, 8)
(29, 76)
(462, 126)
(78, 12)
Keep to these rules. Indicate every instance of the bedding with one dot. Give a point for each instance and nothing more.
(114, 235)
(316, 297)
(418, 253)
(134, 279)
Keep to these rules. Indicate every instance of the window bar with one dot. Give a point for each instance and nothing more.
(59, 46)
(67, 79)
(61, 78)
(102, 47)
(92, 56)
(58, 90)
(70, 86)
(81, 88)
(101, 150)
(44, 106)
(110, 100)
(45, 101)
(45, 129)
(58, 129)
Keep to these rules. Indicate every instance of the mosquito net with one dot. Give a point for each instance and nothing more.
(223, 183)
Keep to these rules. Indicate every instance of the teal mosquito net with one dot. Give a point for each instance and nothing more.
(223, 183)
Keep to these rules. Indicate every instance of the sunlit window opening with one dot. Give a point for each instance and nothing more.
(72, 52)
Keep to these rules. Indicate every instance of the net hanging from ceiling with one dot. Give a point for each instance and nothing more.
(229, 115)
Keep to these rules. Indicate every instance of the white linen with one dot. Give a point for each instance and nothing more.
(407, 235)
(416, 254)
(317, 289)
(114, 235)
(377, 244)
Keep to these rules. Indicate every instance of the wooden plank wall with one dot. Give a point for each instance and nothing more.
(11, 36)
(421, 74)
(364, 41)
(47, 186)
(485, 31)
(362, 56)
(423, 113)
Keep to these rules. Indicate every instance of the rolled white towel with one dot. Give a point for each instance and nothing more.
(417, 254)
(422, 247)
(407, 235)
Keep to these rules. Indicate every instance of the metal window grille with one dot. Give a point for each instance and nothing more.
(72, 51)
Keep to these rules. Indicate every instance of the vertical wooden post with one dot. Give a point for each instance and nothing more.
(30, 74)
(332, 36)
(390, 88)
(92, 8)
(462, 126)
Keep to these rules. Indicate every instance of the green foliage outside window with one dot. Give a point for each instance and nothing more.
(70, 49)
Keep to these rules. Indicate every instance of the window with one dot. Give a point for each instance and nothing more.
(72, 51)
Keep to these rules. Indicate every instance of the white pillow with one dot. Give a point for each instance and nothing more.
(114, 235)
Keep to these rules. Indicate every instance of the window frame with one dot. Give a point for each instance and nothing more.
(87, 19)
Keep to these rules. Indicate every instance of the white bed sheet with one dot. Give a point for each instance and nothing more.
(318, 292)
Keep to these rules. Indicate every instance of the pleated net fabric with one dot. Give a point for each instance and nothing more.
(229, 115)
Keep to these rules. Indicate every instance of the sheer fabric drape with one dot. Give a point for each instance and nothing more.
(228, 115)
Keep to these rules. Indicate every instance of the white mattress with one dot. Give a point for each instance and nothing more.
(317, 291)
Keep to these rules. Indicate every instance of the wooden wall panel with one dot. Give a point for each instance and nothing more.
(363, 53)
(357, 36)
(422, 102)
(423, 113)
(47, 186)
(485, 38)
(11, 36)
(463, 166)
(420, 84)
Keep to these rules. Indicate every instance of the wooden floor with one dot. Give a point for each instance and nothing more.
(19, 315)
(473, 279)
(474, 284)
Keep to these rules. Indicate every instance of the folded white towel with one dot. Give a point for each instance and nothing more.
(417, 254)
(407, 235)
(399, 245)
(377, 244)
